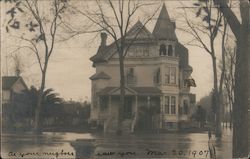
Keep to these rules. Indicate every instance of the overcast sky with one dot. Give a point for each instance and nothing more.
(70, 67)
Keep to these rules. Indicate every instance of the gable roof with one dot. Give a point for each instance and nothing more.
(101, 75)
(164, 27)
(139, 31)
(9, 81)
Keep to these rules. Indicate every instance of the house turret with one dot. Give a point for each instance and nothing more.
(164, 32)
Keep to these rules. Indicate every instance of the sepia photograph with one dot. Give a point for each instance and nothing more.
(125, 79)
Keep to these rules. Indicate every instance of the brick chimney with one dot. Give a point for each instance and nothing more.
(103, 39)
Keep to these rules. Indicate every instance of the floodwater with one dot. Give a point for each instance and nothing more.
(55, 145)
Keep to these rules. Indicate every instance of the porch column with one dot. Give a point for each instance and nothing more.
(136, 113)
(110, 111)
(161, 112)
(98, 109)
(148, 103)
(136, 105)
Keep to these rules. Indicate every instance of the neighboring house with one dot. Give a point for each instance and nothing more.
(12, 91)
(158, 80)
(12, 85)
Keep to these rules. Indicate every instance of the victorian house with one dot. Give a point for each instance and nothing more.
(157, 75)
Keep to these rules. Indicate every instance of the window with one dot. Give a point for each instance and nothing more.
(173, 75)
(163, 50)
(166, 104)
(173, 105)
(185, 106)
(131, 71)
(180, 110)
(103, 103)
(170, 75)
(157, 76)
(167, 75)
(131, 79)
(145, 51)
(170, 50)
(170, 105)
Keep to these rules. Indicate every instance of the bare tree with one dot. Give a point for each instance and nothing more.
(227, 68)
(201, 33)
(229, 83)
(117, 25)
(18, 64)
(241, 92)
(42, 20)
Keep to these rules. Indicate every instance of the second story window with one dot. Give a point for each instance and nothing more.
(170, 50)
(185, 106)
(173, 75)
(170, 75)
(131, 78)
(167, 105)
(163, 50)
(157, 76)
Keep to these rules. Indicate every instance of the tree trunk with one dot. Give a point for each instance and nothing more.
(122, 95)
(217, 100)
(240, 107)
(37, 126)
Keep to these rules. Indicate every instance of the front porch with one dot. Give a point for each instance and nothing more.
(141, 110)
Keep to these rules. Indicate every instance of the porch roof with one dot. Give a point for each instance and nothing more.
(140, 91)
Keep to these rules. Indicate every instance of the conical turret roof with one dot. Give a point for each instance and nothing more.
(164, 27)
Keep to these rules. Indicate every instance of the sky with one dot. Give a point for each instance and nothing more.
(70, 68)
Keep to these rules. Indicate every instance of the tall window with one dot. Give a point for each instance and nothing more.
(157, 76)
(167, 75)
(170, 50)
(170, 105)
(173, 105)
(103, 103)
(131, 79)
(145, 51)
(163, 50)
(173, 75)
(170, 75)
(185, 106)
(167, 104)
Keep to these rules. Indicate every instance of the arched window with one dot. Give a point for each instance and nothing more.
(163, 50)
(170, 50)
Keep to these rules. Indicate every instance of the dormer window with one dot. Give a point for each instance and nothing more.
(170, 50)
(163, 50)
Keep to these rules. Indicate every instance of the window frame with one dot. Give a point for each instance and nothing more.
(166, 105)
(170, 78)
(185, 106)
(170, 50)
(173, 105)
(163, 50)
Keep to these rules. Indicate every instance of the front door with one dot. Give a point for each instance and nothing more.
(127, 113)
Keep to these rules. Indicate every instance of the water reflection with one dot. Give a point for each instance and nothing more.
(47, 142)
(176, 145)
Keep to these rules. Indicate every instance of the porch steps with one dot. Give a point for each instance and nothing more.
(112, 126)
(126, 125)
